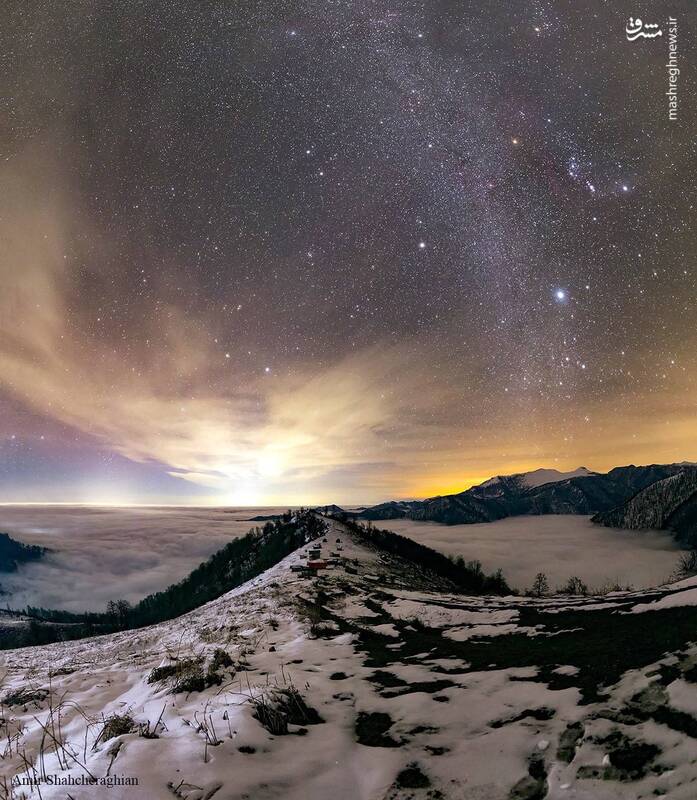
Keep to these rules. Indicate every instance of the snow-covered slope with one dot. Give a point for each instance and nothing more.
(365, 682)
(539, 477)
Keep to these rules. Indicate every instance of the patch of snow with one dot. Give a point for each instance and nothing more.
(477, 631)
(388, 629)
(674, 600)
(566, 669)
(683, 697)
(438, 616)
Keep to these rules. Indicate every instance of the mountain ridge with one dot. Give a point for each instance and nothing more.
(668, 504)
(506, 496)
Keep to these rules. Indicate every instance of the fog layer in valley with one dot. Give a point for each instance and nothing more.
(100, 554)
(560, 545)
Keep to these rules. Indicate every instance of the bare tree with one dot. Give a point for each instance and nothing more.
(540, 586)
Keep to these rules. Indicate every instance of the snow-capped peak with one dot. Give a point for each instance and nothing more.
(536, 477)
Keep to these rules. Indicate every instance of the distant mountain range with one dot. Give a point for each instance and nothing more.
(538, 492)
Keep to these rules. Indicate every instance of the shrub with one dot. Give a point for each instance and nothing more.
(160, 674)
(23, 696)
(283, 707)
(220, 659)
(275, 721)
(184, 676)
(194, 682)
(296, 709)
(116, 725)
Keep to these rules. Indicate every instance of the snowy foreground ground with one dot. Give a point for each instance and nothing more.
(366, 683)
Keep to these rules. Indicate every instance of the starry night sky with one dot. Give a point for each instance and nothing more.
(268, 252)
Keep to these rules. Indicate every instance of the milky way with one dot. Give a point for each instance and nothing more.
(285, 251)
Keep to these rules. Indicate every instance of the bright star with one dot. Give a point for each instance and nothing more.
(560, 295)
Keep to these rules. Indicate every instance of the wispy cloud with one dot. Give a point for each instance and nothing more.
(382, 421)
(161, 396)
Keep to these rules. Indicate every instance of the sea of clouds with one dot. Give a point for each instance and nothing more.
(102, 554)
(560, 545)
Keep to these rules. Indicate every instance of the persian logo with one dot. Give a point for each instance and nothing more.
(636, 29)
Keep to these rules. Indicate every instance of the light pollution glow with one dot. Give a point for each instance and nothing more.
(371, 427)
